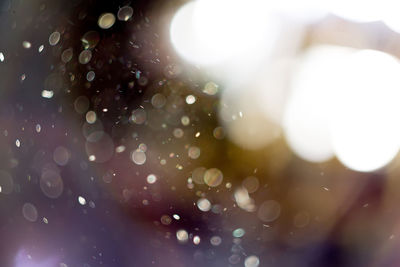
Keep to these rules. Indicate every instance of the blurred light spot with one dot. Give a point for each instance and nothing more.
(151, 178)
(6, 182)
(139, 116)
(82, 200)
(301, 219)
(125, 13)
(239, 232)
(201, 35)
(251, 184)
(215, 240)
(47, 93)
(251, 261)
(61, 155)
(158, 100)
(185, 120)
(90, 39)
(308, 111)
(196, 240)
(90, 76)
(29, 212)
(182, 236)
(204, 204)
(365, 129)
(67, 55)
(54, 38)
(190, 99)
(85, 56)
(138, 157)
(91, 116)
(210, 88)
(178, 133)
(99, 146)
(26, 44)
(243, 199)
(194, 152)
(213, 177)
(269, 211)
(106, 20)
(51, 184)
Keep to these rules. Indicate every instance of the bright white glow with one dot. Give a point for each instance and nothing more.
(357, 10)
(212, 31)
(301, 10)
(24, 259)
(365, 130)
(307, 115)
(246, 125)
